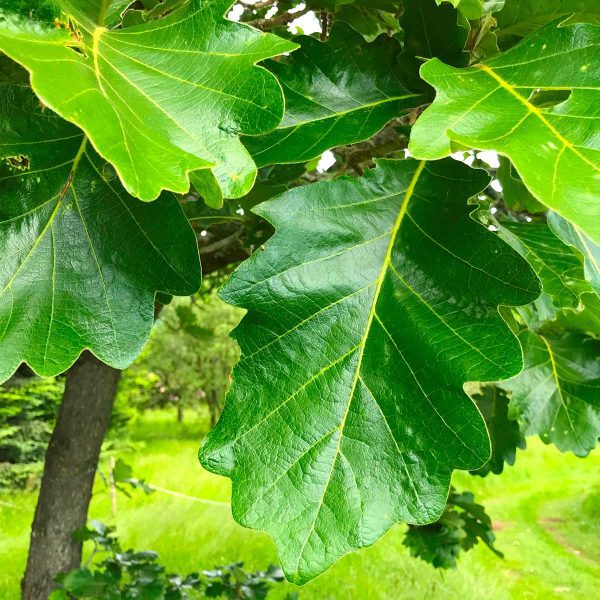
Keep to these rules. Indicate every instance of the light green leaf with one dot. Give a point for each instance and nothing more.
(514, 193)
(521, 17)
(559, 267)
(555, 150)
(557, 396)
(161, 99)
(331, 100)
(80, 260)
(583, 319)
(347, 412)
(573, 236)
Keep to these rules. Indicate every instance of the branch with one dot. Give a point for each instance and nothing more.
(220, 244)
(279, 20)
(257, 5)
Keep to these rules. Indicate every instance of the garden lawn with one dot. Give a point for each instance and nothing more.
(546, 510)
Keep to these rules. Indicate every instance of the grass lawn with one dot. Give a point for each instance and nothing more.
(546, 510)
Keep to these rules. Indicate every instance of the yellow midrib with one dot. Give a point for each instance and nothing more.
(536, 111)
(384, 268)
(95, 54)
(51, 219)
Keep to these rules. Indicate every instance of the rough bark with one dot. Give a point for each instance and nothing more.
(71, 462)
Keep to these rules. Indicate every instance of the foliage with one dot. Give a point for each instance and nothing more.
(556, 395)
(505, 433)
(463, 524)
(551, 147)
(188, 359)
(355, 437)
(378, 296)
(27, 411)
(346, 103)
(105, 302)
(125, 575)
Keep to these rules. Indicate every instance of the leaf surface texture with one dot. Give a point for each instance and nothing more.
(372, 304)
(554, 149)
(80, 259)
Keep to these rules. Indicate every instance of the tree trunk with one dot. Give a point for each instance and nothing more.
(213, 407)
(69, 470)
(179, 411)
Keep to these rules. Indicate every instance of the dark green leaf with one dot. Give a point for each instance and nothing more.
(521, 17)
(430, 31)
(81, 260)
(372, 304)
(557, 396)
(559, 267)
(514, 192)
(573, 236)
(462, 525)
(505, 434)
(331, 100)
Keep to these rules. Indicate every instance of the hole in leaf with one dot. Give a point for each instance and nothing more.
(21, 162)
(108, 172)
(548, 98)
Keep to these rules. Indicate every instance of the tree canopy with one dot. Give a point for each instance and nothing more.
(140, 137)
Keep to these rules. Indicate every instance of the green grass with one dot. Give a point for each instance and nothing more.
(546, 510)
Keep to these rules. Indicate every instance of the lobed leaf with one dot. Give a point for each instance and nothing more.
(559, 267)
(572, 236)
(367, 311)
(505, 434)
(80, 260)
(161, 99)
(557, 396)
(521, 17)
(489, 106)
(430, 31)
(331, 101)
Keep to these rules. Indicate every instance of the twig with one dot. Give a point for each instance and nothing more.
(220, 244)
(257, 5)
(325, 23)
(279, 20)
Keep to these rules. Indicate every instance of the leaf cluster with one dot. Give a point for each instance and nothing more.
(463, 524)
(129, 575)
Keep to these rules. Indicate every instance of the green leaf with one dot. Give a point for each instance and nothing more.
(505, 434)
(461, 526)
(80, 260)
(124, 88)
(521, 17)
(557, 396)
(430, 31)
(487, 106)
(355, 349)
(573, 236)
(583, 319)
(331, 101)
(514, 193)
(559, 267)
